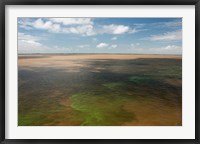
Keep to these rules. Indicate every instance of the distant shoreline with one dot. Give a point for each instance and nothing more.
(74, 57)
(95, 54)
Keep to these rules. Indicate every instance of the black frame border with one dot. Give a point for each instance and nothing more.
(3, 4)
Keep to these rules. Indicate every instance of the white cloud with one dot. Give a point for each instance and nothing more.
(102, 45)
(174, 24)
(85, 27)
(31, 44)
(139, 25)
(84, 30)
(169, 49)
(114, 38)
(79, 26)
(171, 24)
(72, 21)
(40, 24)
(113, 46)
(56, 49)
(25, 24)
(22, 36)
(83, 46)
(48, 25)
(28, 43)
(169, 36)
(115, 29)
(105, 45)
(135, 30)
(135, 45)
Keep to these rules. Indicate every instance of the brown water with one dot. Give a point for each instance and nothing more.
(100, 90)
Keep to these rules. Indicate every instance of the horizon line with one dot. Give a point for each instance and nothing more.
(104, 53)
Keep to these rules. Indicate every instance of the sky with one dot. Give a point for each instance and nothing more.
(100, 35)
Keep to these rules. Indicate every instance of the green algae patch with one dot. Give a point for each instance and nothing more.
(30, 119)
(113, 85)
(140, 79)
(37, 117)
(125, 92)
(100, 110)
(172, 72)
(54, 114)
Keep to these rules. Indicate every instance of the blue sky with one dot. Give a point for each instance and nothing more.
(100, 35)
